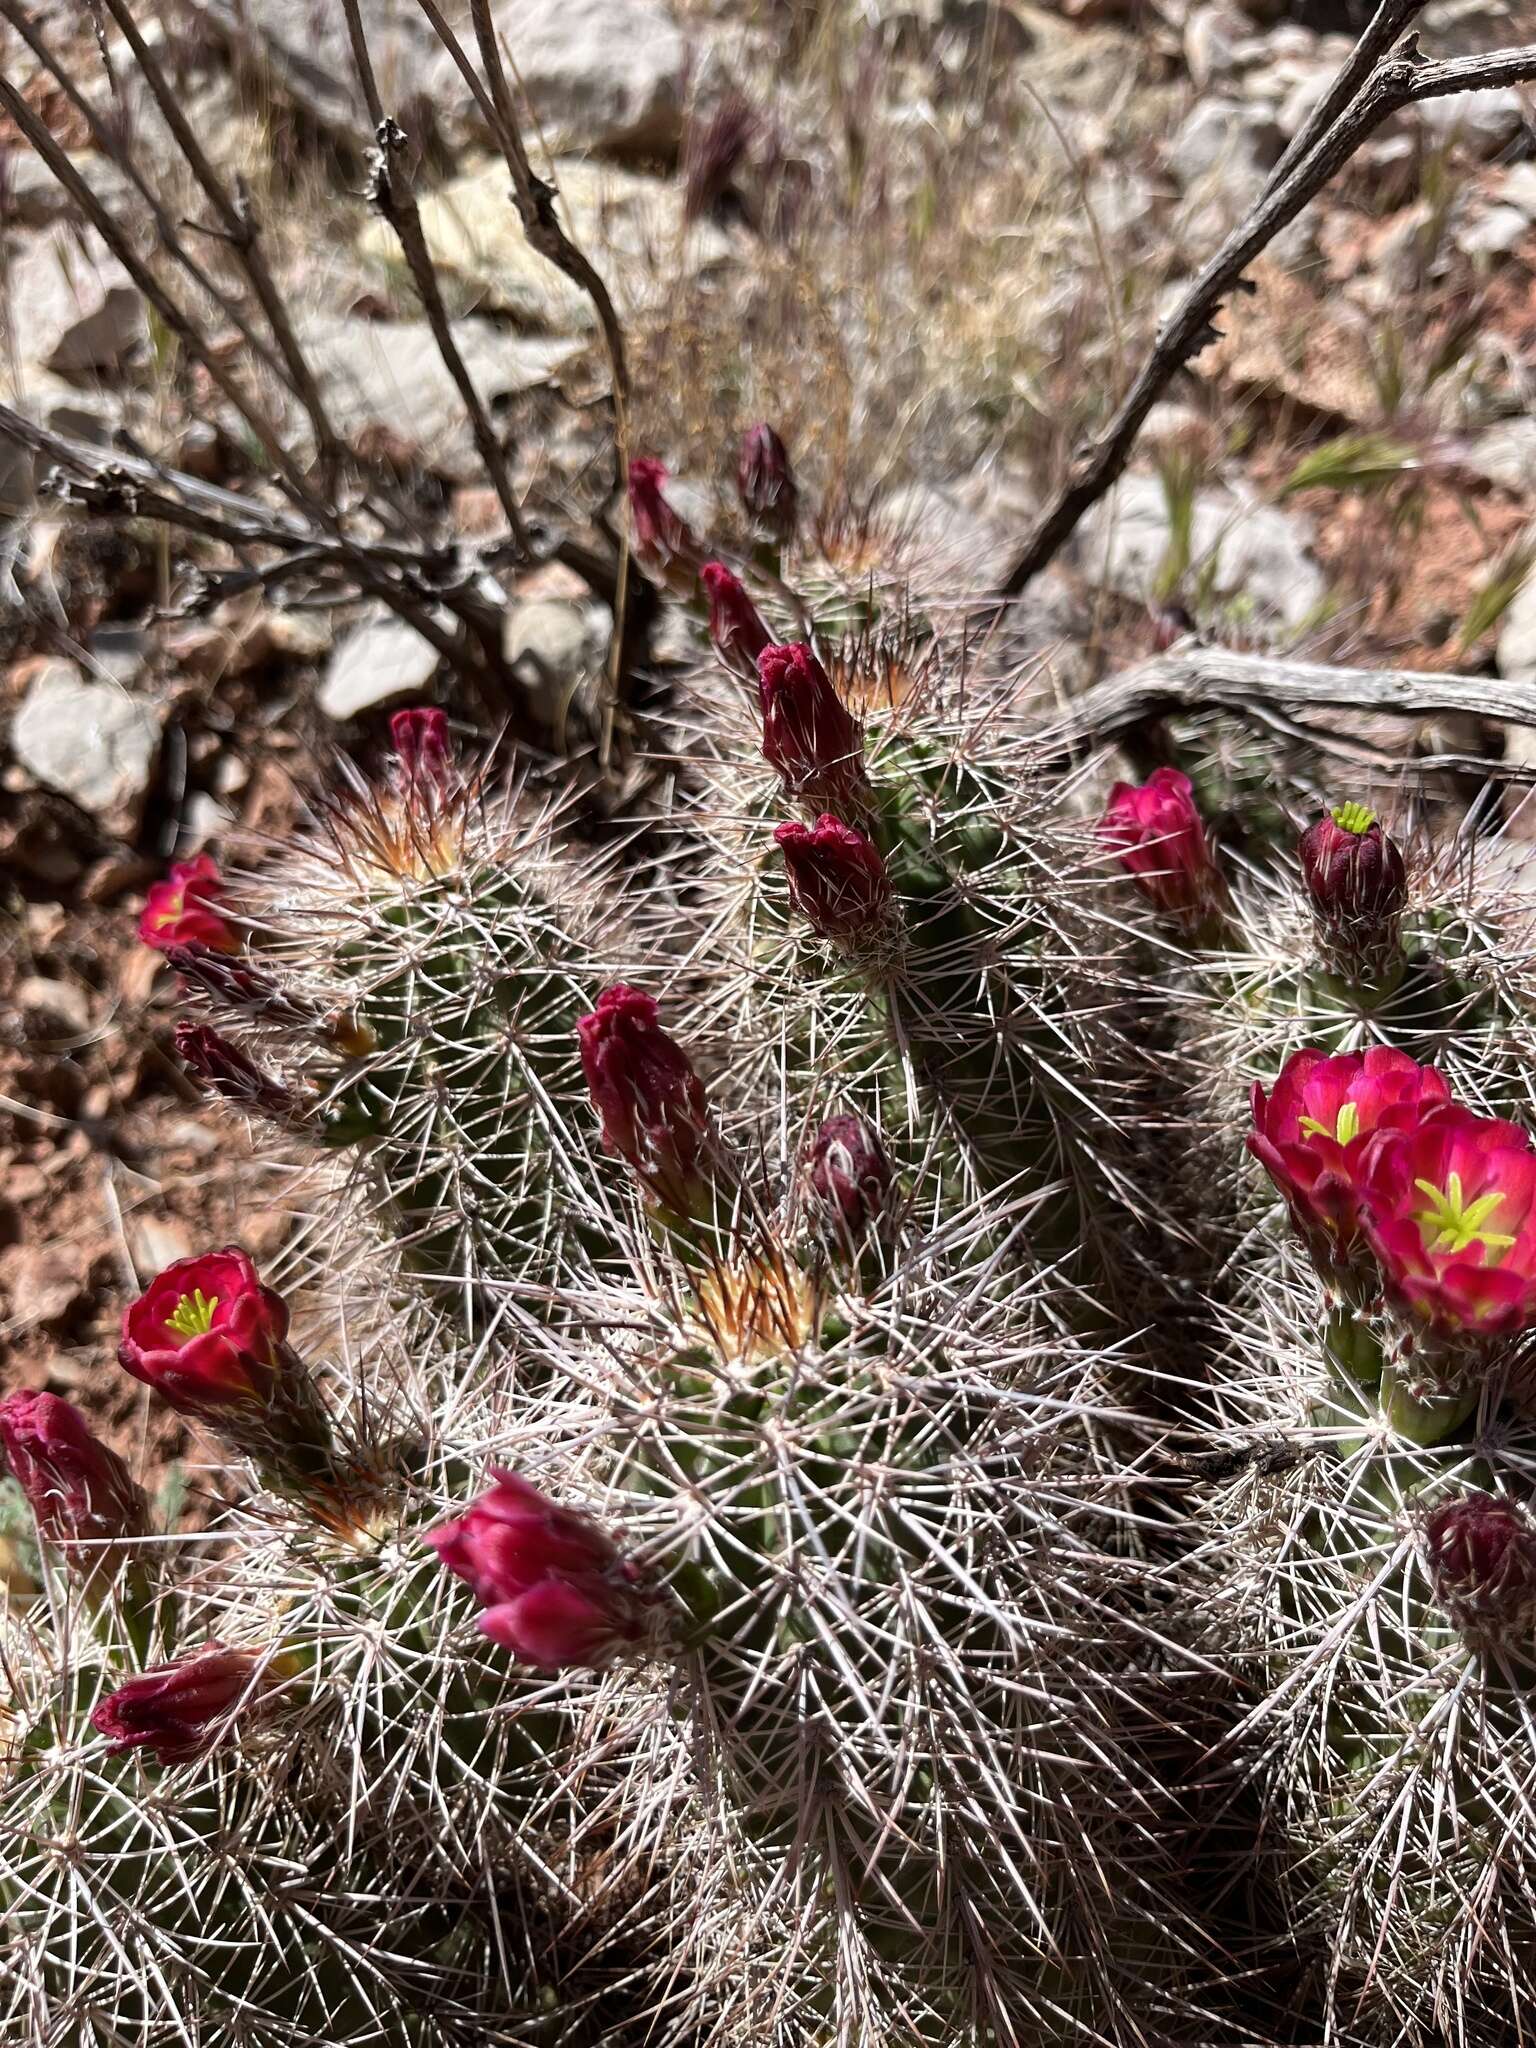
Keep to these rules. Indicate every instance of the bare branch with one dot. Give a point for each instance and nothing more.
(1398, 82)
(1279, 695)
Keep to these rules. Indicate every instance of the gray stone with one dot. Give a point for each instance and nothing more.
(553, 646)
(1505, 453)
(1515, 654)
(91, 741)
(379, 660)
(389, 373)
(84, 316)
(1481, 122)
(1518, 188)
(1251, 552)
(34, 198)
(1222, 134)
(1213, 36)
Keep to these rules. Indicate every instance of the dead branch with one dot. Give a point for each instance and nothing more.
(1366, 93)
(1289, 697)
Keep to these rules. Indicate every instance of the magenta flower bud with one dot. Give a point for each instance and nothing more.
(221, 1065)
(422, 747)
(1358, 886)
(82, 1496)
(1159, 835)
(808, 736)
(850, 1173)
(767, 484)
(737, 631)
(837, 880)
(180, 1710)
(653, 1107)
(554, 1588)
(664, 541)
(1481, 1552)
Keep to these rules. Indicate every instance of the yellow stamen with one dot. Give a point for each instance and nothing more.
(1345, 1131)
(193, 1314)
(1451, 1224)
(1354, 818)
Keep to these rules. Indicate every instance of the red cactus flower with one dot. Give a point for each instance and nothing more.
(735, 628)
(207, 1336)
(837, 879)
(423, 750)
(555, 1590)
(180, 911)
(180, 1710)
(808, 736)
(1449, 1210)
(1358, 885)
(83, 1497)
(850, 1172)
(664, 541)
(1481, 1553)
(653, 1107)
(1159, 835)
(766, 483)
(1311, 1136)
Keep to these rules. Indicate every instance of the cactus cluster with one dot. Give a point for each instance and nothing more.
(819, 1448)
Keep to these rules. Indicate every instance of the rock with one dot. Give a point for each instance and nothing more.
(155, 1242)
(53, 1009)
(1222, 134)
(44, 1284)
(1213, 36)
(1482, 122)
(1047, 628)
(389, 373)
(377, 661)
(1519, 189)
(1248, 551)
(84, 314)
(1515, 654)
(1496, 233)
(34, 198)
(624, 222)
(552, 646)
(91, 741)
(1505, 453)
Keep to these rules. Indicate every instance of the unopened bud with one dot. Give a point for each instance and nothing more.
(808, 734)
(423, 750)
(653, 1107)
(735, 628)
(1481, 1552)
(1358, 885)
(1159, 835)
(82, 1496)
(837, 880)
(664, 541)
(850, 1173)
(767, 484)
(180, 1710)
(221, 1065)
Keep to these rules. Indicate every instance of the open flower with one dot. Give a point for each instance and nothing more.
(182, 910)
(1311, 1136)
(735, 628)
(1159, 835)
(1358, 886)
(179, 1710)
(1481, 1553)
(1449, 1209)
(82, 1496)
(206, 1335)
(837, 879)
(809, 737)
(653, 1107)
(554, 1589)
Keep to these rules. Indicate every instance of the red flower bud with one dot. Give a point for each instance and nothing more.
(767, 484)
(808, 735)
(738, 633)
(82, 1495)
(653, 1107)
(664, 541)
(206, 1335)
(180, 910)
(1160, 838)
(837, 879)
(181, 1709)
(229, 1072)
(1481, 1552)
(554, 1588)
(1358, 886)
(850, 1172)
(423, 750)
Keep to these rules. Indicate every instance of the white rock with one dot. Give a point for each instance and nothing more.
(1519, 189)
(1220, 134)
(1482, 122)
(389, 373)
(1213, 35)
(554, 645)
(1515, 654)
(1505, 453)
(91, 741)
(1495, 233)
(1252, 551)
(84, 316)
(381, 659)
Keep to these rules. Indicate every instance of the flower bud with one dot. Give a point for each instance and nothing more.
(837, 880)
(180, 1710)
(423, 750)
(82, 1496)
(1481, 1552)
(555, 1591)
(1159, 836)
(767, 484)
(664, 541)
(738, 633)
(808, 736)
(653, 1107)
(180, 911)
(212, 1341)
(1358, 886)
(220, 1064)
(850, 1173)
